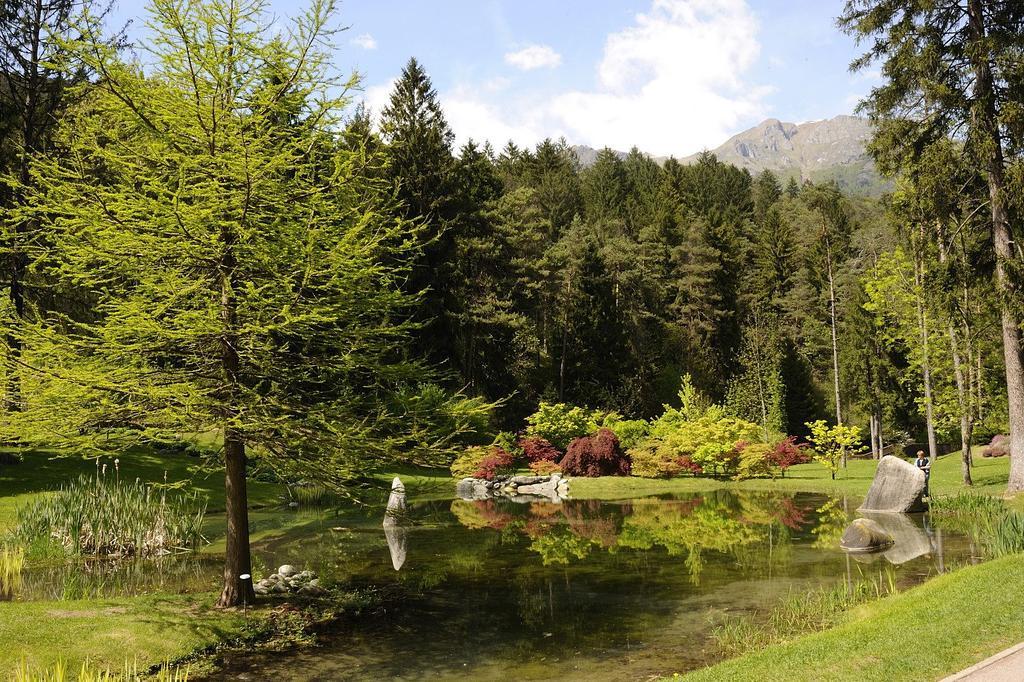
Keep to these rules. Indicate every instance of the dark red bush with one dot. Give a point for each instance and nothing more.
(538, 449)
(686, 463)
(597, 455)
(497, 461)
(999, 447)
(786, 453)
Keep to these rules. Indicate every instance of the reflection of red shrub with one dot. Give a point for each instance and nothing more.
(497, 461)
(539, 450)
(492, 515)
(791, 515)
(786, 453)
(597, 455)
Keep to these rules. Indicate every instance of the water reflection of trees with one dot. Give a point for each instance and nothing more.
(754, 528)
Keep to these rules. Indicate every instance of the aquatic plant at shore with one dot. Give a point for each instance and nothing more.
(61, 672)
(106, 516)
(11, 562)
(798, 614)
(999, 528)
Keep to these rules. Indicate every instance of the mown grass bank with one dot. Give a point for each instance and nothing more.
(108, 632)
(940, 627)
(990, 476)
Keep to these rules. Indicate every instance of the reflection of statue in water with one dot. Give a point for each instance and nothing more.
(394, 529)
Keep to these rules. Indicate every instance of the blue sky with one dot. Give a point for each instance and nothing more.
(670, 76)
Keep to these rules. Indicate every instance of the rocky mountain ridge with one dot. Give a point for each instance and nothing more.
(830, 149)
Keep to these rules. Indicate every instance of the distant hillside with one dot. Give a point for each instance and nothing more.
(833, 149)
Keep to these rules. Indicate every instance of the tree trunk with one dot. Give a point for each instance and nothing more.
(922, 322)
(987, 128)
(237, 559)
(962, 385)
(835, 341)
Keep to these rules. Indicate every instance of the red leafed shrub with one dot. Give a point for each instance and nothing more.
(597, 455)
(545, 467)
(686, 463)
(538, 449)
(786, 453)
(999, 447)
(496, 462)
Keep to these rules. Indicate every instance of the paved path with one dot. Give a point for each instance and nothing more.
(1006, 666)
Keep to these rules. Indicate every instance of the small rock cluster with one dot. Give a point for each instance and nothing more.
(290, 580)
(516, 488)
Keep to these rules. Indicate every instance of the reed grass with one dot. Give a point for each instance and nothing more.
(799, 614)
(11, 562)
(316, 496)
(61, 672)
(999, 529)
(102, 515)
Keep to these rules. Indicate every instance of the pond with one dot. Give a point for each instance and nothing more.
(581, 589)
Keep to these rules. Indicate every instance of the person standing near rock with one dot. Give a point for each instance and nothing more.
(924, 465)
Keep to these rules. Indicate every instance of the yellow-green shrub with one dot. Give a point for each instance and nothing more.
(468, 463)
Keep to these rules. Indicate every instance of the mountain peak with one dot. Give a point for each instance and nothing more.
(832, 148)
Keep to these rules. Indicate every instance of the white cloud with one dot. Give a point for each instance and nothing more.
(365, 41)
(534, 57)
(673, 82)
(376, 97)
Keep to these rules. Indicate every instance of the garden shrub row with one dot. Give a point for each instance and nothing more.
(698, 438)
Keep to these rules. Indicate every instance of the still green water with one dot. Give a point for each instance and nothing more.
(578, 590)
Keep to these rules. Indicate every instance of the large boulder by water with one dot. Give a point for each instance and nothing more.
(396, 503)
(898, 487)
(865, 535)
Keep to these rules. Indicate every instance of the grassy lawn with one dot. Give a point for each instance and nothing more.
(990, 476)
(110, 632)
(940, 627)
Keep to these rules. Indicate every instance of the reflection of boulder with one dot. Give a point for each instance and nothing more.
(398, 540)
(898, 487)
(910, 540)
(397, 535)
(865, 535)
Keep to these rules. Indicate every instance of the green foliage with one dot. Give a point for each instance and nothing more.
(629, 431)
(468, 462)
(102, 515)
(831, 442)
(709, 441)
(757, 393)
(755, 461)
(559, 423)
(659, 459)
